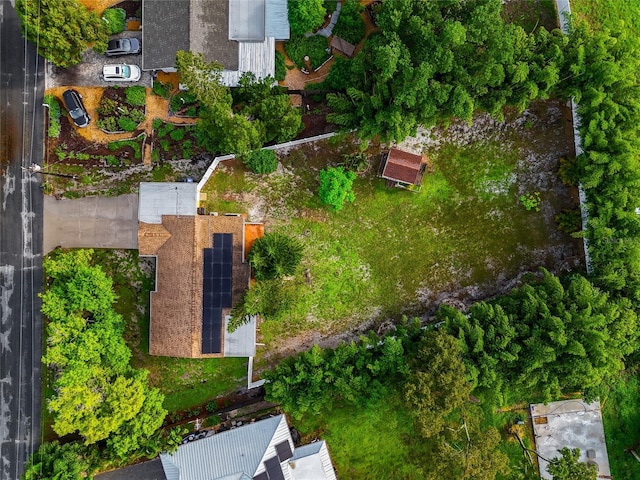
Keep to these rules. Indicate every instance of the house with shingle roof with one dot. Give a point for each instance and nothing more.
(403, 168)
(263, 450)
(201, 272)
(239, 34)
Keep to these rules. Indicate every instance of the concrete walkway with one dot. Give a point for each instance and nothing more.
(91, 222)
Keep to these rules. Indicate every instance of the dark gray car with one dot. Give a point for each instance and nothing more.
(75, 107)
(122, 46)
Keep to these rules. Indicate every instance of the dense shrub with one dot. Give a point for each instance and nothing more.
(54, 115)
(162, 89)
(281, 68)
(261, 161)
(108, 124)
(350, 25)
(275, 256)
(137, 116)
(336, 187)
(127, 124)
(136, 95)
(181, 100)
(177, 134)
(115, 20)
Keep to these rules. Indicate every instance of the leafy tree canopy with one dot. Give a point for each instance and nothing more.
(53, 461)
(435, 60)
(261, 161)
(275, 256)
(548, 338)
(61, 29)
(202, 78)
(336, 187)
(97, 393)
(568, 466)
(305, 15)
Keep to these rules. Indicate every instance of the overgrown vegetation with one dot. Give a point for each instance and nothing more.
(114, 19)
(54, 115)
(305, 15)
(97, 394)
(162, 89)
(121, 110)
(350, 25)
(261, 161)
(62, 29)
(281, 67)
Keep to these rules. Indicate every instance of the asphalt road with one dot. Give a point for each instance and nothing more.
(21, 143)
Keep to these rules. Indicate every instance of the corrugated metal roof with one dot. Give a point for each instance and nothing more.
(276, 22)
(157, 199)
(240, 451)
(256, 57)
(246, 20)
(242, 342)
(312, 462)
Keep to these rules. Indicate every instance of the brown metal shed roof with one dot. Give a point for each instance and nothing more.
(403, 166)
(343, 46)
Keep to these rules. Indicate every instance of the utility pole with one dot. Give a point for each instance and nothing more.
(35, 168)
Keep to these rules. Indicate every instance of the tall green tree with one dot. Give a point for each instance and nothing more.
(438, 384)
(97, 392)
(431, 61)
(61, 29)
(568, 466)
(305, 15)
(545, 338)
(275, 256)
(55, 461)
(203, 79)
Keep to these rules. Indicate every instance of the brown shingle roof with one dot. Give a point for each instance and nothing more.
(176, 305)
(403, 166)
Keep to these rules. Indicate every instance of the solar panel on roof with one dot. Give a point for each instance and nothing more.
(283, 449)
(217, 285)
(274, 470)
(261, 476)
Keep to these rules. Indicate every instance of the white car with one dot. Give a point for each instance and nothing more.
(121, 73)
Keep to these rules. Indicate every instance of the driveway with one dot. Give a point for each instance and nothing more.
(91, 222)
(88, 73)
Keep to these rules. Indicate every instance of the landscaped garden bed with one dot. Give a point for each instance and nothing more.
(173, 142)
(184, 104)
(121, 109)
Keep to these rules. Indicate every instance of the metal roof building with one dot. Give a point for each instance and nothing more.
(262, 450)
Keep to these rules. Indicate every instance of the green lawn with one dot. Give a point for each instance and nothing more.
(393, 251)
(622, 427)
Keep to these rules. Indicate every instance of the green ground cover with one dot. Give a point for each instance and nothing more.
(622, 427)
(379, 440)
(394, 251)
(615, 15)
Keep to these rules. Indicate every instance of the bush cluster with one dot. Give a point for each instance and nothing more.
(261, 161)
(54, 115)
(162, 89)
(115, 20)
(182, 100)
(136, 95)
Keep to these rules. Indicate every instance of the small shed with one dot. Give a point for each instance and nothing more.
(342, 46)
(403, 168)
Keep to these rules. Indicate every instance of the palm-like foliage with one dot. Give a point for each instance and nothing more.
(275, 256)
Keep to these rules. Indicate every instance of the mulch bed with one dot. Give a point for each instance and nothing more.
(71, 141)
(314, 117)
(174, 149)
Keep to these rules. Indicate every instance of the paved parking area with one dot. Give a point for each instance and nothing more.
(88, 73)
(91, 222)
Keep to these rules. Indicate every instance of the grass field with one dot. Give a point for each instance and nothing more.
(379, 440)
(393, 251)
(621, 15)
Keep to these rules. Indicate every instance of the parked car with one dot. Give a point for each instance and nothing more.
(121, 73)
(122, 46)
(75, 107)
